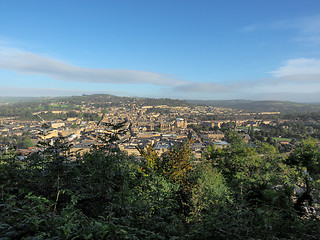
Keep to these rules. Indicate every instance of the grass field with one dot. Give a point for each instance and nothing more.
(59, 105)
(282, 139)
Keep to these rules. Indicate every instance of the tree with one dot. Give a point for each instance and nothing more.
(150, 158)
(306, 159)
(109, 140)
(27, 142)
(211, 191)
(177, 163)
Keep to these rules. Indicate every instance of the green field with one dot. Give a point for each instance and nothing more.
(282, 139)
(59, 105)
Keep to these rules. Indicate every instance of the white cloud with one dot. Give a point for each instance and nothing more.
(300, 75)
(299, 69)
(45, 92)
(309, 25)
(308, 28)
(33, 64)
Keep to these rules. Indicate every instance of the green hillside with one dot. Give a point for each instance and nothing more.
(261, 106)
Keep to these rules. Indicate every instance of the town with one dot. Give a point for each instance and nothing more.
(82, 121)
(107, 167)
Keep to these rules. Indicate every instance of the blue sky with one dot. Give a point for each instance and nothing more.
(259, 50)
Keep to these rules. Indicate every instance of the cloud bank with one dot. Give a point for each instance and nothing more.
(299, 70)
(33, 64)
(48, 92)
(293, 76)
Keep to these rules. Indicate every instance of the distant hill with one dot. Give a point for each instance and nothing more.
(261, 106)
(102, 99)
(73, 102)
(18, 99)
(106, 100)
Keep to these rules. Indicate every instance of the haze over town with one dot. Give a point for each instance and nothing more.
(258, 50)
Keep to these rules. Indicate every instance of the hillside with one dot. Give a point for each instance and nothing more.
(261, 106)
(18, 99)
(106, 100)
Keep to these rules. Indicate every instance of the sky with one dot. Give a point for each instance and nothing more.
(181, 49)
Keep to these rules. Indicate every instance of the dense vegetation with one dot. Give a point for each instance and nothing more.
(238, 192)
(15, 141)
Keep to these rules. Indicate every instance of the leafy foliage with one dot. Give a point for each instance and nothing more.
(238, 192)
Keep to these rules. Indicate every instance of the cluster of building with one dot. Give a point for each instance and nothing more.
(162, 126)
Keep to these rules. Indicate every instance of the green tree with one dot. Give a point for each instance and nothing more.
(306, 159)
(27, 142)
(150, 158)
(210, 192)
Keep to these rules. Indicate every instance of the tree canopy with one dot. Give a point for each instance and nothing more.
(237, 192)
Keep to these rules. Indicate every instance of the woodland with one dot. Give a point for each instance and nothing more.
(237, 192)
